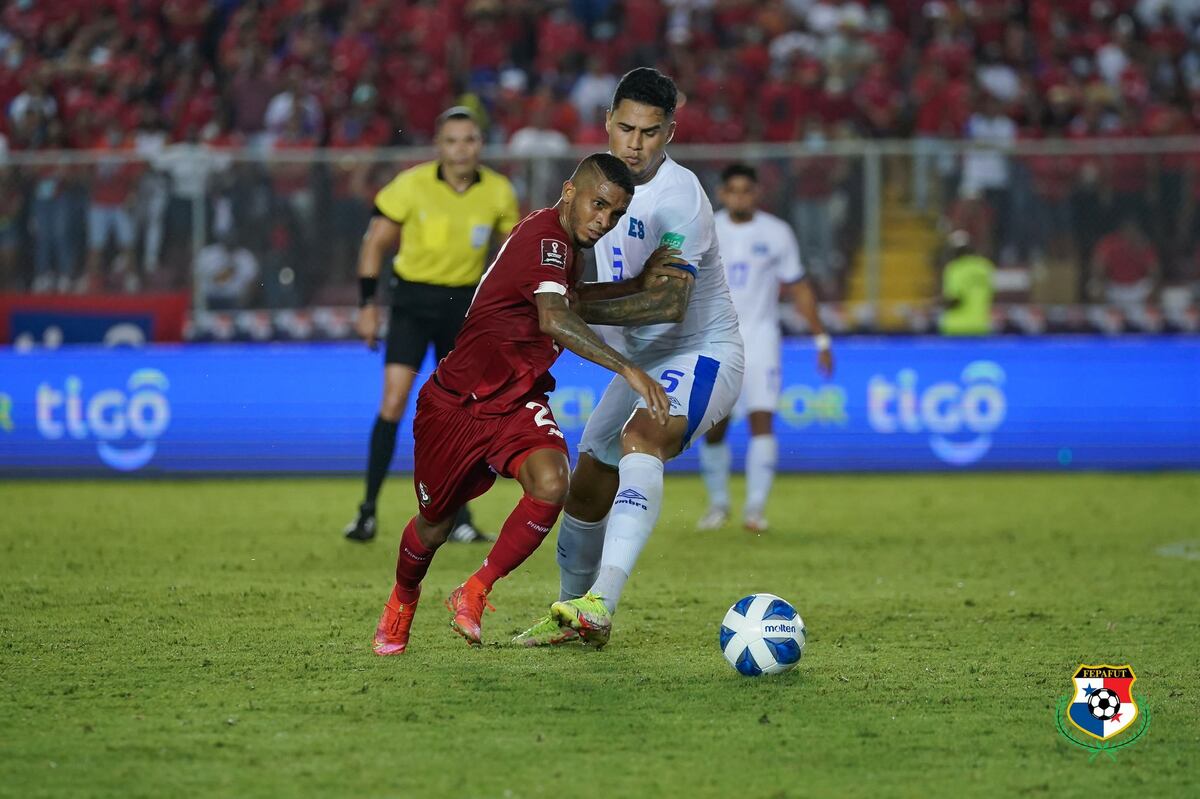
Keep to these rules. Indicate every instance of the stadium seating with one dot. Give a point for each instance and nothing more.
(177, 104)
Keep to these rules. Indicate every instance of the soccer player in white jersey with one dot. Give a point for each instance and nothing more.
(760, 255)
(681, 329)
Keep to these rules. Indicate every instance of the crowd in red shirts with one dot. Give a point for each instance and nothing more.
(161, 78)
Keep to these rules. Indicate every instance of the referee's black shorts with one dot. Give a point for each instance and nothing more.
(423, 314)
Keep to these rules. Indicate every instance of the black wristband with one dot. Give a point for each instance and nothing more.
(366, 290)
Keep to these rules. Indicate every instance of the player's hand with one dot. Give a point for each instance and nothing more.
(659, 265)
(825, 362)
(366, 324)
(652, 391)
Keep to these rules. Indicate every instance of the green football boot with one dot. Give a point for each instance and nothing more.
(546, 632)
(588, 615)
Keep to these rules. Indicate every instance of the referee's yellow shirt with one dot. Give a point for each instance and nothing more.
(446, 234)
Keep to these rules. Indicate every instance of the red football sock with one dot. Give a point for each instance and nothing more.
(411, 564)
(523, 531)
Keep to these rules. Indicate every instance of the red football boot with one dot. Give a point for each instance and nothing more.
(467, 603)
(391, 635)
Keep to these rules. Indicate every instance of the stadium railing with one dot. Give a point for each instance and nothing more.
(872, 217)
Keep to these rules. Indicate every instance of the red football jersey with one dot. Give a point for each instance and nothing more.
(501, 356)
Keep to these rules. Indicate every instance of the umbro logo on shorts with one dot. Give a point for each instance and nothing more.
(554, 253)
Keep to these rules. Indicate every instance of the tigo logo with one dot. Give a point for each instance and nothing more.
(948, 411)
(125, 423)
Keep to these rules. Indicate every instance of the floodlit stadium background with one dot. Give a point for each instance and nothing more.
(961, 521)
(877, 129)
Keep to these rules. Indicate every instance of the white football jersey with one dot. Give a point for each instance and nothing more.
(671, 209)
(759, 255)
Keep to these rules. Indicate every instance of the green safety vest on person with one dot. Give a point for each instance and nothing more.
(968, 279)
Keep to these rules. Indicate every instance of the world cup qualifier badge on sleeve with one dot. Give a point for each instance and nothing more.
(1101, 714)
(554, 253)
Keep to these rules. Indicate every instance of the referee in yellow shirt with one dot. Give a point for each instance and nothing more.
(450, 211)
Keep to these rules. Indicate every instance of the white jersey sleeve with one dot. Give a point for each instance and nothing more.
(679, 221)
(788, 264)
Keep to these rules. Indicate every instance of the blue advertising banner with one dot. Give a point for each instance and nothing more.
(894, 404)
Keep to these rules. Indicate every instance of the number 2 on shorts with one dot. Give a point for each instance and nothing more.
(542, 418)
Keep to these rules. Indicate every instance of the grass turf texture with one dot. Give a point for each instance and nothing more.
(212, 638)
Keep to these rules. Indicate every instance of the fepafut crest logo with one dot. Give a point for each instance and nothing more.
(959, 417)
(1102, 707)
(126, 424)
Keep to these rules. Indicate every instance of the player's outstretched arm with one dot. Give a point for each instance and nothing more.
(558, 321)
(663, 297)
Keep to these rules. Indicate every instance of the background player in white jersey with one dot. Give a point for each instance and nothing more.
(760, 254)
(682, 330)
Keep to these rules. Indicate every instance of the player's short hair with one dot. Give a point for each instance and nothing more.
(648, 86)
(612, 168)
(453, 113)
(739, 170)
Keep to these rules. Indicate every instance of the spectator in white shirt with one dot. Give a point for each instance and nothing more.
(227, 274)
(986, 170)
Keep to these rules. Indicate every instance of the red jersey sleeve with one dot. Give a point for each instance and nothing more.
(550, 265)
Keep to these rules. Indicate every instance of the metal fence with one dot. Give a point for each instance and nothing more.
(280, 230)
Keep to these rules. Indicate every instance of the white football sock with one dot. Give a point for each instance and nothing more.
(714, 465)
(760, 471)
(579, 546)
(632, 518)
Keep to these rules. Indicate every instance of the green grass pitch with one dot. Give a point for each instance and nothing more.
(211, 638)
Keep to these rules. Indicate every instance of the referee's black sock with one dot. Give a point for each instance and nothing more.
(383, 445)
(463, 517)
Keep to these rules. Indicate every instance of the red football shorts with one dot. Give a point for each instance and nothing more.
(457, 456)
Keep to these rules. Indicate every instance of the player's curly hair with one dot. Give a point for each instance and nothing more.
(648, 86)
(612, 168)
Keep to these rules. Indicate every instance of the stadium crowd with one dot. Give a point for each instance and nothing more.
(182, 83)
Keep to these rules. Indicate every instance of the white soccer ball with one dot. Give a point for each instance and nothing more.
(762, 634)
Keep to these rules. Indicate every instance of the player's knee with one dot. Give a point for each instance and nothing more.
(644, 434)
(589, 503)
(550, 486)
(392, 406)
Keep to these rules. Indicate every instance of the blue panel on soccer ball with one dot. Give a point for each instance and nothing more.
(784, 650)
(780, 610)
(726, 634)
(746, 664)
(743, 604)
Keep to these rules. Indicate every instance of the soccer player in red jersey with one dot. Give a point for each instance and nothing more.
(485, 409)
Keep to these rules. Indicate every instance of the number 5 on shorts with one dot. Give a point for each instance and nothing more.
(670, 379)
(542, 418)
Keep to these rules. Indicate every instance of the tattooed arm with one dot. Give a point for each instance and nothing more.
(558, 321)
(659, 294)
(663, 300)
